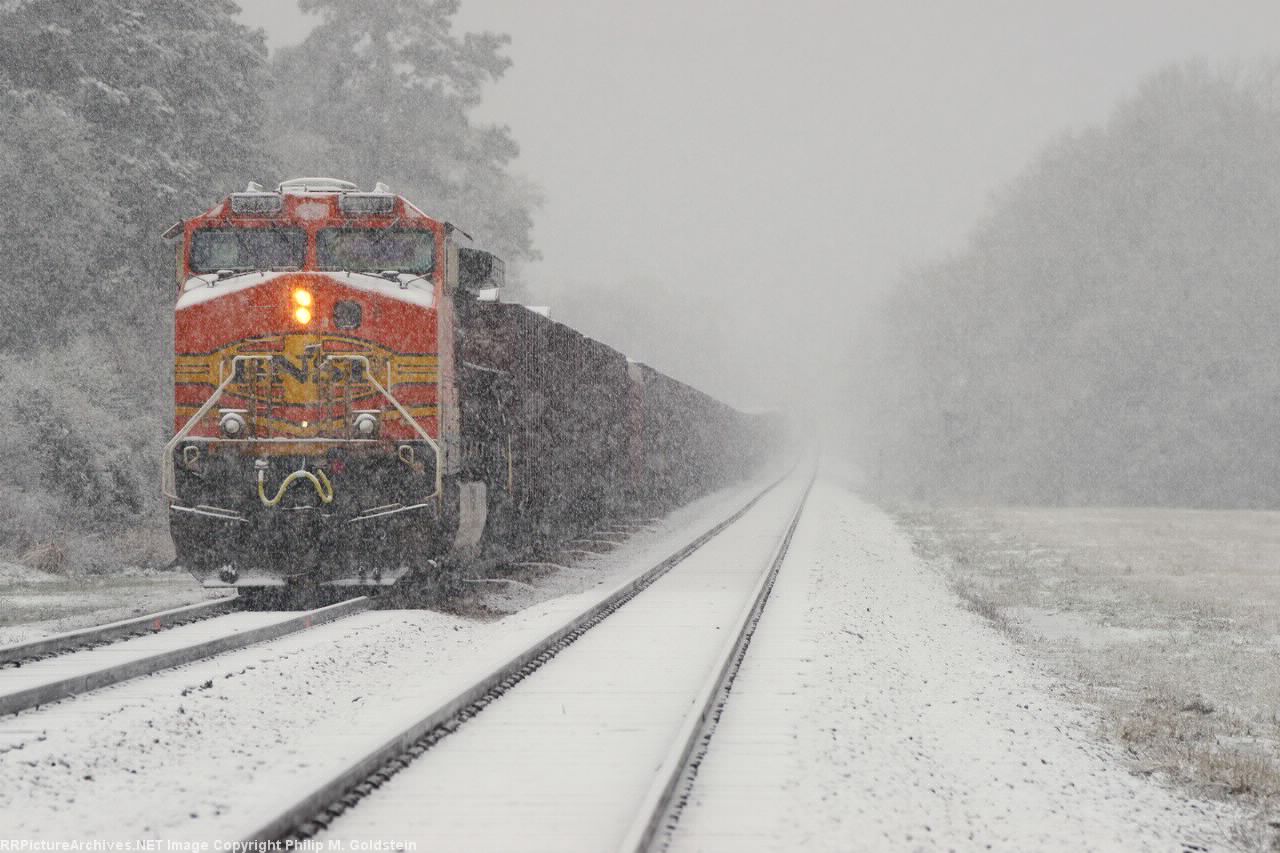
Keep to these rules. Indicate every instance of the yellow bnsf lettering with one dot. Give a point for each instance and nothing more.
(301, 371)
(304, 374)
(311, 366)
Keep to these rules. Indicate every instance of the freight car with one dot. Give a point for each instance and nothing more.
(353, 404)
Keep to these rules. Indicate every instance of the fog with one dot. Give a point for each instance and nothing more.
(1011, 264)
(779, 163)
(819, 207)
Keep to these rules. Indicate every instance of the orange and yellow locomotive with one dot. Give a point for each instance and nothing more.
(352, 401)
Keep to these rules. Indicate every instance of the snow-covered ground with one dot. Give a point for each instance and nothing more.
(203, 750)
(874, 713)
(567, 756)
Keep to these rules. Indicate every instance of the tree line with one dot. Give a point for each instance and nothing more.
(1109, 334)
(118, 117)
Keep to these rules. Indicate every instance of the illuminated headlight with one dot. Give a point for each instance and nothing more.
(367, 203)
(232, 423)
(302, 311)
(366, 424)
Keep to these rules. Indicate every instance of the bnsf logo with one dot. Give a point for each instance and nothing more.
(305, 368)
(314, 365)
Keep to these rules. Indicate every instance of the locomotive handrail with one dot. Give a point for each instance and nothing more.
(168, 477)
(404, 413)
(168, 474)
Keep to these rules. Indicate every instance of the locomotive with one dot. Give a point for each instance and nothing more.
(353, 403)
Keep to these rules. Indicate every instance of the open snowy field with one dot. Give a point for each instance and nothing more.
(874, 712)
(1165, 621)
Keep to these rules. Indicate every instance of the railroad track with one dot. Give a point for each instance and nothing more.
(660, 810)
(81, 661)
(708, 595)
(136, 626)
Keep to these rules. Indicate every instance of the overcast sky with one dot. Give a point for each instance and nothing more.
(803, 150)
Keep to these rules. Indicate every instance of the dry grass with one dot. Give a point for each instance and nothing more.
(975, 599)
(1167, 621)
(46, 557)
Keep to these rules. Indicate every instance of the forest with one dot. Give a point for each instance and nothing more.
(1108, 334)
(118, 117)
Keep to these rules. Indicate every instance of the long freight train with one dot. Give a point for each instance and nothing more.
(353, 403)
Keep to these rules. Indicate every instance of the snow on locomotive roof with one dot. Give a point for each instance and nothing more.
(320, 185)
(414, 289)
(351, 198)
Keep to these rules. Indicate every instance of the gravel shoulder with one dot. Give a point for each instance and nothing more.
(876, 712)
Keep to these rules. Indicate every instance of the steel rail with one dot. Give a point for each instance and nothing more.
(312, 811)
(99, 634)
(75, 685)
(660, 808)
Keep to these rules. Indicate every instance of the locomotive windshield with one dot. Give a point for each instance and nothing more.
(214, 249)
(375, 249)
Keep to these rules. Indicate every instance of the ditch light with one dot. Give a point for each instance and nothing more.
(302, 306)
